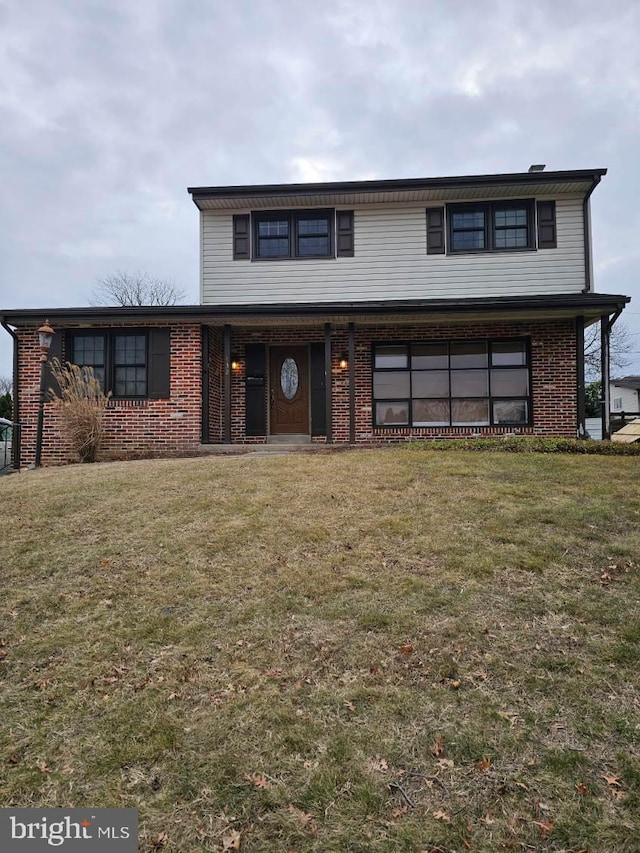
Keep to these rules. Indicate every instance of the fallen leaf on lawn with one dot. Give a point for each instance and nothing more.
(380, 764)
(104, 561)
(407, 649)
(14, 758)
(231, 840)
(43, 767)
(440, 815)
(258, 780)
(485, 764)
(305, 819)
(545, 827)
(349, 705)
(613, 781)
(159, 840)
(581, 788)
(438, 747)
(445, 762)
(399, 812)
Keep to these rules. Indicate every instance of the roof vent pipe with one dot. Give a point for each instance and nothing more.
(537, 167)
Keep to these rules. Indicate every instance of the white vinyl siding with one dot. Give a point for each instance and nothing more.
(391, 262)
(629, 397)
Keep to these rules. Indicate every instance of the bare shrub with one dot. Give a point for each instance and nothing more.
(82, 403)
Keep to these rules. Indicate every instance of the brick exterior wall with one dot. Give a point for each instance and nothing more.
(553, 377)
(174, 425)
(131, 427)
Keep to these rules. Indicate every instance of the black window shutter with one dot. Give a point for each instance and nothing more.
(344, 235)
(241, 241)
(255, 358)
(435, 230)
(547, 237)
(51, 387)
(159, 363)
(318, 396)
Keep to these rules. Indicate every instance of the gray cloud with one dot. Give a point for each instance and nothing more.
(109, 110)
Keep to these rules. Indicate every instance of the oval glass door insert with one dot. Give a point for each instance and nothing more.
(289, 378)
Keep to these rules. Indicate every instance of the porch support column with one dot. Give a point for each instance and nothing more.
(328, 381)
(580, 398)
(605, 332)
(352, 383)
(226, 390)
(204, 437)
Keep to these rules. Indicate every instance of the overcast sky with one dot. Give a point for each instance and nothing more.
(109, 109)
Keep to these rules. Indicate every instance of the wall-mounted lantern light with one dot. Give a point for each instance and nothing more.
(344, 361)
(235, 362)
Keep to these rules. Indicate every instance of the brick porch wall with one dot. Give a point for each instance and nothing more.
(553, 373)
(131, 427)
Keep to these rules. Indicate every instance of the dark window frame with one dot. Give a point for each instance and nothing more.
(109, 336)
(293, 218)
(448, 343)
(489, 208)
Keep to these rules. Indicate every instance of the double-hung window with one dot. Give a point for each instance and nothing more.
(491, 226)
(131, 363)
(304, 234)
(451, 383)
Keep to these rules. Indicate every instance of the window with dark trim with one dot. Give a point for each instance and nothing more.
(131, 363)
(452, 383)
(293, 234)
(497, 226)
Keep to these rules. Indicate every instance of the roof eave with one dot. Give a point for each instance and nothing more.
(396, 185)
(591, 304)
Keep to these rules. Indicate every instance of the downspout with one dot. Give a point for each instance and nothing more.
(606, 324)
(15, 442)
(586, 226)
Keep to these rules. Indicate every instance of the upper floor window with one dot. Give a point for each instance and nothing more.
(305, 234)
(278, 235)
(491, 226)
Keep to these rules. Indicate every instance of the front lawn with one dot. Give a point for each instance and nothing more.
(368, 651)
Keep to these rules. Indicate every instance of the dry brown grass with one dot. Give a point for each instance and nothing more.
(372, 651)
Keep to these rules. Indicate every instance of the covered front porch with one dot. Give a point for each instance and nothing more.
(388, 373)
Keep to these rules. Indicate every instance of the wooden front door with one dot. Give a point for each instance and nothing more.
(289, 390)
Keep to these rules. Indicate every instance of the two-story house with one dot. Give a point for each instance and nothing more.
(350, 312)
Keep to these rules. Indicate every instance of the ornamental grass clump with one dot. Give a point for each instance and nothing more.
(82, 403)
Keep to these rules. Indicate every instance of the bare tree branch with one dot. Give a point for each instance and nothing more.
(135, 289)
(6, 385)
(621, 347)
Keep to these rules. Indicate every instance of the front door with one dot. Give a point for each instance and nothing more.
(289, 384)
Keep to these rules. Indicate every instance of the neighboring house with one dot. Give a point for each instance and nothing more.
(351, 312)
(625, 395)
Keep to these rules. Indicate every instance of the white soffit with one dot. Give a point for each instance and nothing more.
(345, 199)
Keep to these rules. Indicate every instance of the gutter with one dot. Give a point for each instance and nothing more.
(579, 302)
(15, 442)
